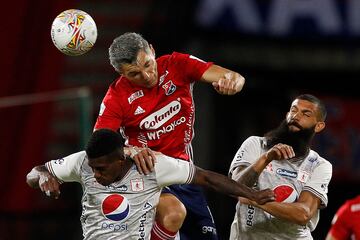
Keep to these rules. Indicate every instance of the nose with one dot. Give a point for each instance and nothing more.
(146, 75)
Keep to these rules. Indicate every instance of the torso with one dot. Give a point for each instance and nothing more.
(162, 117)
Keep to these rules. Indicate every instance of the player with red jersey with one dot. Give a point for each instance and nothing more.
(346, 222)
(151, 103)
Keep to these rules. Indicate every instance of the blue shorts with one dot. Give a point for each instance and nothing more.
(199, 223)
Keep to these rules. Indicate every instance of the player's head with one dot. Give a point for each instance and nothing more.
(305, 118)
(133, 57)
(306, 111)
(105, 151)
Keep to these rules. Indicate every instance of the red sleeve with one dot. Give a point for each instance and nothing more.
(341, 226)
(192, 66)
(111, 113)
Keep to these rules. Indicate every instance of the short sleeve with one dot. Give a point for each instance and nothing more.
(248, 153)
(110, 112)
(67, 169)
(173, 171)
(319, 181)
(192, 66)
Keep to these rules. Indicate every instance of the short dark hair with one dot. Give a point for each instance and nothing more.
(103, 142)
(125, 48)
(320, 105)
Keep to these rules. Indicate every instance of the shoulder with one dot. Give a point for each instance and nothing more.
(172, 58)
(255, 141)
(315, 157)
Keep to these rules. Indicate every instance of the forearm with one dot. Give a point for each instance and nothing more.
(250, 175)
(297, 213)
(223, 184)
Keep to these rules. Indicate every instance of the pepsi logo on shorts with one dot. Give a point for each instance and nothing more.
(115, 207)
(285, 193)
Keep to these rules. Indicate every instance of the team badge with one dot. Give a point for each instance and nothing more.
(169, 88)
(137, 184)
(115, 207)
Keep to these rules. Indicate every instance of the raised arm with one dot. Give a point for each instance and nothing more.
(224, 81)
(249, 175)
(223, 184)
(40, 177)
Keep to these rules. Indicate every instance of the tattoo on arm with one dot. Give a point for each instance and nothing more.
(249, 177)
(246, 175)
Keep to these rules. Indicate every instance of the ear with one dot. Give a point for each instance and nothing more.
(319, 126)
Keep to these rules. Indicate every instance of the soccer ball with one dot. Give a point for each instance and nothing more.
(74, 32)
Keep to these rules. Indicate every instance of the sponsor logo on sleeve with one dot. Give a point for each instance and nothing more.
(135, 95)
(59, 161)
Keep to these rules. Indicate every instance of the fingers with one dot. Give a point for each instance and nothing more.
(144, 160)
(49, 185)
(265, 196)
(230, 84)
(282, 151)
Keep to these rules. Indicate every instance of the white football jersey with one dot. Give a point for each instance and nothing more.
(288, 178)
(125, 209)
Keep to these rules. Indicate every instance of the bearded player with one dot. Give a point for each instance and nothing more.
(283, 161)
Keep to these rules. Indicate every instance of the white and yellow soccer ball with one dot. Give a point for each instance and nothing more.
(74, 32)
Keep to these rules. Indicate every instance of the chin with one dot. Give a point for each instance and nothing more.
(104, 183)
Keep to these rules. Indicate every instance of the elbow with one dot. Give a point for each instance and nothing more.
(303, 218)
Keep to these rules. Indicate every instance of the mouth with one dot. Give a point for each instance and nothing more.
(295, 124)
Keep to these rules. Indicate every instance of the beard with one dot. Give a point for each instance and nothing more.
(299, 140)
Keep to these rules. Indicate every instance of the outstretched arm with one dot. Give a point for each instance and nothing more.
(223, 80)
(223, 184)
(39, 177)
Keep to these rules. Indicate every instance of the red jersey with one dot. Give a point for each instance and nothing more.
(162, 117)
(346, 222)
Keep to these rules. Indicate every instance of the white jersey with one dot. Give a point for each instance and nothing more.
(288, 178)
(125, 209)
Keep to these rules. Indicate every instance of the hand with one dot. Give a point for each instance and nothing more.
(263, 196)
(49, 185)
(230, 84)
(280, 152)
(144, 159)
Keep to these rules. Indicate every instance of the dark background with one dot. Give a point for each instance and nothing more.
(282, 47)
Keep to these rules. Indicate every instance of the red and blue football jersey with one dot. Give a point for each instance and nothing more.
(162, 117)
